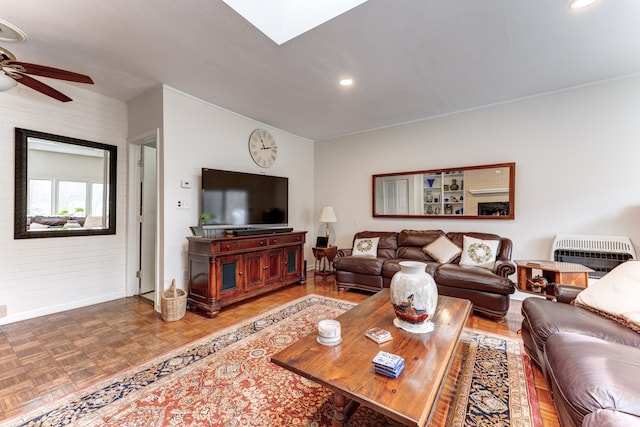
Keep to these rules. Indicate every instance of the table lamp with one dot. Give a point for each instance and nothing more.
(327, 215)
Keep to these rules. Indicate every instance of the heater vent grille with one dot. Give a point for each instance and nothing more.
(600, 253)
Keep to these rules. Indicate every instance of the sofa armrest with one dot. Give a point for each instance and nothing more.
(567, 293)
(505, 268)
(344, 252)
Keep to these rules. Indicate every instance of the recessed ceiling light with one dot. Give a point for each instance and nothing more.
(11, 33)
(346, 82)
(579, 4)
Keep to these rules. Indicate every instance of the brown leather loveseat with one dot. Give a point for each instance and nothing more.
(591, 362)
(487, 289)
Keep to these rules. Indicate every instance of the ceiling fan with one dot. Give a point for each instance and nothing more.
(18, 71)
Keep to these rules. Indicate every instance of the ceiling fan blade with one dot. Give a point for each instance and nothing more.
(55, 73)
(41, 87)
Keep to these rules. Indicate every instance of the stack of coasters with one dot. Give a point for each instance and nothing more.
(388, 364)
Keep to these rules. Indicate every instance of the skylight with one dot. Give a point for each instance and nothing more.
(283, 20)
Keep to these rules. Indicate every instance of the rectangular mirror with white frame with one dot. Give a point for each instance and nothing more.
(469, 192)
(64, 186)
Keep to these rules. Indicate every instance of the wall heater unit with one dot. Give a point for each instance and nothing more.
(599, 253)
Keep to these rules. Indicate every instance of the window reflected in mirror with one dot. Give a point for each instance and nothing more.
(64, 186)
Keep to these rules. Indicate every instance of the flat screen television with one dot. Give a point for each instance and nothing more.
(237, 199)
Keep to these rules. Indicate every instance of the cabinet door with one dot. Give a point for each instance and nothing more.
(199, 283)
(230, 276)
(292, 263)
(254, 270)
(274, 266)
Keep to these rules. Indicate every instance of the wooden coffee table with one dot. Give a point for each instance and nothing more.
(347, 370)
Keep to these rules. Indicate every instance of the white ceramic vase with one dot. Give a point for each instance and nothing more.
(414, 296)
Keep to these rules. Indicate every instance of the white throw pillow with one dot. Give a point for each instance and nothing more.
(479, 253)
(442, 250)
(616, 294)
(365, 247)
(93, 222)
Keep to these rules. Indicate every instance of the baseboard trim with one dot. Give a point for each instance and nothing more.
(25, 315)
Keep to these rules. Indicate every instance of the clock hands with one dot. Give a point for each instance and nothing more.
(264, 147)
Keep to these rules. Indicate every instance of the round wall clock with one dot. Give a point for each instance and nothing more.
(263, 148)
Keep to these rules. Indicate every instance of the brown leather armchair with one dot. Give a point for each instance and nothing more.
(592, 363)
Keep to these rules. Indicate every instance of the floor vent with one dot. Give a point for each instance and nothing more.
(599, 253)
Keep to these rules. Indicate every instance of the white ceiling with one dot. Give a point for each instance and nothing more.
(410, 59)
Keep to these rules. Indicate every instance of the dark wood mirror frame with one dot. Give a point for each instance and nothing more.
(21, 184)
(469, 192)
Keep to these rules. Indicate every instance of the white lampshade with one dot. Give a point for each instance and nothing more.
(327, 215)
(6, 82)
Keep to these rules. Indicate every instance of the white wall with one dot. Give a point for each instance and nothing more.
(577, 157)
(198, 134)
(42, 276)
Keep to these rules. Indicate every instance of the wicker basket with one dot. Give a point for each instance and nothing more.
(173, 303)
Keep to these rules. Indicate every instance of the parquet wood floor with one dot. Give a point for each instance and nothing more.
(46, 358)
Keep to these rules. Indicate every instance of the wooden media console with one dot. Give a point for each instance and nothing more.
(227, 270)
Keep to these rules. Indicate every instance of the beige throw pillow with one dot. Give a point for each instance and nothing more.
(479, 253)
(442, 250)
(366, 247)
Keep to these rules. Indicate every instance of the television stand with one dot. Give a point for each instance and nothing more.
(227, 270)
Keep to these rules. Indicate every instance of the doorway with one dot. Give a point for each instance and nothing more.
(143, 204)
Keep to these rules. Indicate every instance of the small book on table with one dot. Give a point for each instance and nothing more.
(379, 335)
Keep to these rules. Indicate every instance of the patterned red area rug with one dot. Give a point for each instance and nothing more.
(227, 379)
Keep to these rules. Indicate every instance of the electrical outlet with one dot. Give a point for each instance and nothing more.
(183, 204)
(3, 310)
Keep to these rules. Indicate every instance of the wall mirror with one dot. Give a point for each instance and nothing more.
(470, 192)
(64, 186)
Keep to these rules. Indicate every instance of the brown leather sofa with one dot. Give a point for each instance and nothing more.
(592, 363)
(488, 290)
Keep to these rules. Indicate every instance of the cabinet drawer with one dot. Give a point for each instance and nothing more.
(239, 245)
(281, 240)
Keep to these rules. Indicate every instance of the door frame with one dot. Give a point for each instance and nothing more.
(133, 229)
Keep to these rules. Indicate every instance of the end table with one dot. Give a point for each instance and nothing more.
(565, 273)
(324, 260)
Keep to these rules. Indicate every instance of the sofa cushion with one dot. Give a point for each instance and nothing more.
(359, 264)
(475, 278)
(479, 253)
(367, 246)
(37, 226)
(418, 238)
(442, 250)
(544, 318)
(588, 374)
(411, 242)
(610, 418)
